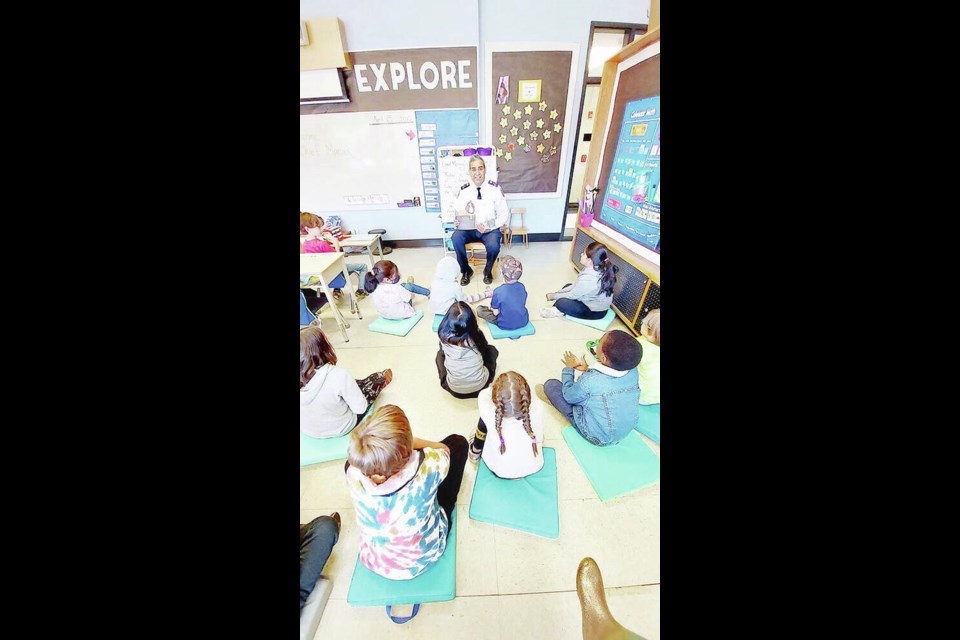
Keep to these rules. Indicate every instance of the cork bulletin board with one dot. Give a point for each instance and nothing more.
(528, 106)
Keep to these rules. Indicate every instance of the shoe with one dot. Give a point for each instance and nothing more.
(487, 278)
(337, 294)
(542, 394)
(336, 518)
(361, 294)
(597, 621)
(550, 312)
(465, 280)
(388, 374)
(474, 456)
(410, 279)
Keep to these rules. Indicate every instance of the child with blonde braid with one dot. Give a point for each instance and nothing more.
(517, 416)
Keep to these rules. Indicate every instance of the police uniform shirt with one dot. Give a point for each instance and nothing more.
(489, 204)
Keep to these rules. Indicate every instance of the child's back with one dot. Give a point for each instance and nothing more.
(392, 301)
(518, 459)
(510, 299)
(445, 289)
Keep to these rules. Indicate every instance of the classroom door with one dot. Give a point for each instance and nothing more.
(587, 117)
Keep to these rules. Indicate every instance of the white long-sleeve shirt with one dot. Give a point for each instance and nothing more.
(330, 402)
(490, 208)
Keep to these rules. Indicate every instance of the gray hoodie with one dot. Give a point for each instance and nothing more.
(445, 289)
(465, 370)
(587, 290)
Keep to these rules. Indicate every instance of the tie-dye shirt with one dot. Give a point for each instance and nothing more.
(403, 530)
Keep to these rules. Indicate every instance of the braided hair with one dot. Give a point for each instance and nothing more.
(511, 397)
(600, 256)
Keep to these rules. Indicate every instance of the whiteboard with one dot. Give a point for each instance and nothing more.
(357, 161)
(453, 171)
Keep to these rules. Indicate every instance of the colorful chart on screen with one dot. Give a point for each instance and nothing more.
(631, 202)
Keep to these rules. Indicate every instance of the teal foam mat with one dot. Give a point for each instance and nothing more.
(617, 469)
(437, 318)
(600, 325)
(314, 450)
(395, 327)
(527, 504)
(513, 334)
(649, 422)
(436, 584)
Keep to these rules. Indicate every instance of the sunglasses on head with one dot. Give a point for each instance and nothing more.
(480, 151)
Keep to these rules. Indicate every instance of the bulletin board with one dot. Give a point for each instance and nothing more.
(529, 104)
(359, 161)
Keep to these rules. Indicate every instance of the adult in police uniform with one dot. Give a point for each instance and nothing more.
(485, 199)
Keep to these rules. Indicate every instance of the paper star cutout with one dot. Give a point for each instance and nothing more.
(546, 134)
(540, 124)
(528, 109)
(533, 134)
(520, 140)
(502, 138)
(513, 131)
(507, 156)
(517, 114)
(526, 124)
(557, 127)
(540, 148)
(543, 106)
(506, 109)
(499, 153)
(553, 150)
(553, 114)
(503, 122)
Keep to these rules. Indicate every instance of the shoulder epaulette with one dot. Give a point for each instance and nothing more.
(491, 182)
(464, 186)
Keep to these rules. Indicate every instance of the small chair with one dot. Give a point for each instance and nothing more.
(477, 251)
(521, 230)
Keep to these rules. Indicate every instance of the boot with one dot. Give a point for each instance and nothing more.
(598, 622)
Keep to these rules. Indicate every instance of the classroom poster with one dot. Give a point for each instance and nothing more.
(631, 202)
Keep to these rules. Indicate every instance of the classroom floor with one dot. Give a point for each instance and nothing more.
(510, 585)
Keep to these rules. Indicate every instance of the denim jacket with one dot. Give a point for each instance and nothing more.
(604, 406)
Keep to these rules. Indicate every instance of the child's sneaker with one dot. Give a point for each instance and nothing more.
(550, 312)
(474, 456)
(410, 279)
(361, 294)
(542, 394)
(337, 295)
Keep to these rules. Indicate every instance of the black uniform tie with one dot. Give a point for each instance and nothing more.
(479, 197)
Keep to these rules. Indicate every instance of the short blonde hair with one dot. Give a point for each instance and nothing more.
(382, 443)
(650, 327)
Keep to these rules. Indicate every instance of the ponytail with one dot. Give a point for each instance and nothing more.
(603, 264)
(370, 282)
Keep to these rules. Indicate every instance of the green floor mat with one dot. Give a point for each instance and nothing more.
(527, 504)
(601, 325)
(649, 422)
(395, 327)
(617, 469)
(513, 334)
(436, 584)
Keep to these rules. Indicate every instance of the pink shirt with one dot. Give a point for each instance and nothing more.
(392, 301)
(316, 245)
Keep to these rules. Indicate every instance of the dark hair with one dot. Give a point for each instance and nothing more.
(459, 327)
(382, 270)
(621, 350)
(315, 351)
(600, 255)
(511, 398)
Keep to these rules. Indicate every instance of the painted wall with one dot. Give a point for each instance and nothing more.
(388, 24)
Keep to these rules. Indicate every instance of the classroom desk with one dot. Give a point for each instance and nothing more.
(367, 242)
(327, 266)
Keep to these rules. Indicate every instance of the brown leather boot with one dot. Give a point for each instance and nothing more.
(598, 622)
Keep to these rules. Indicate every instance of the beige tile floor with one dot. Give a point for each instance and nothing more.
(510, 584)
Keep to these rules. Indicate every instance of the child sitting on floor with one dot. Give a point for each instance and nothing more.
(602, 404)
(508, 308)
(650, 364)
(392, 300)
(465, 362)
(591, 295)
(518, 419)
(331, 401)
(404, 490)
(446, 289)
